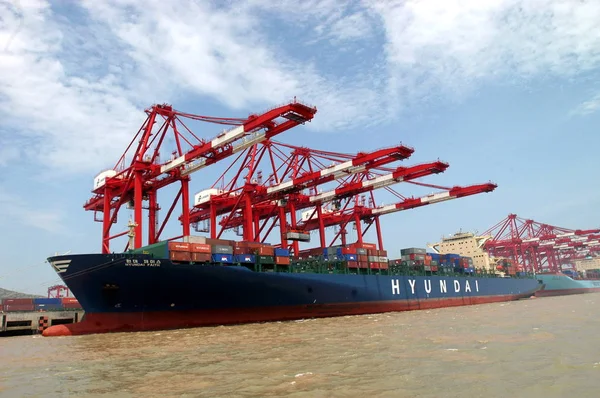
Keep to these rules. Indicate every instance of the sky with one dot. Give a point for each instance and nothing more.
(506, 91)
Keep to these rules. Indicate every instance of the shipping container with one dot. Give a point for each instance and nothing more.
(350, 257)
(18, 307)
(194, 239)
(349, 250)
(48, 307)
(200, 248)
(201, 257)
(222, 257)
(74, 305)
(49, 301)
(65, 300)
(266, 259)
(222, 249)
(353, 264)
(361, 251)
(374, 265)
(17, 301)
(245, 258)
(369, 245)
(282, 260)
(157, 250)
(179, 246)
(180, 256)
(280, 252)
(412, 250)
(266, 251)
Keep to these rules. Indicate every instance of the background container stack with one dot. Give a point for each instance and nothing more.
(38, 304)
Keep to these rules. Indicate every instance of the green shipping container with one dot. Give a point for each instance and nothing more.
(159, 250)
(266, 259)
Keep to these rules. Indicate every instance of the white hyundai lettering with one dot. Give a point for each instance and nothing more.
(443, 288)
(456, 286)
(476, 285)
(395, 286)
(467, 286)
(427, 286)
(411, 282)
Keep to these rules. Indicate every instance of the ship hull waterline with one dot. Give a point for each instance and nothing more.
(141, 295)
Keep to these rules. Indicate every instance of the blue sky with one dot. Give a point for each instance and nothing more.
(502, 90)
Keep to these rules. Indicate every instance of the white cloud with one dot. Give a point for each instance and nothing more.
(74, 86)
(587, 107)
(456, 44)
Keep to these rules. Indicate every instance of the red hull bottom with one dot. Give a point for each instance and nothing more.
(138, 321)
(566, 292)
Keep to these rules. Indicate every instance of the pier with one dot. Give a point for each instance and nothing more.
(35, 322)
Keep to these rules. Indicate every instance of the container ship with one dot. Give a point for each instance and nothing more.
(561, 284)
(190, 281)
(202, 282)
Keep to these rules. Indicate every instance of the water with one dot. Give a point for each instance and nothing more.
(544, 347)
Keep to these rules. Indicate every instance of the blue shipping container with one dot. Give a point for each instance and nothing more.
(350, 257)
(222, 258)
(279, 252)
(41, 300)
(245, 258)
(48, 307)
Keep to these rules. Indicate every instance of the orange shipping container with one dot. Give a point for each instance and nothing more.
(369, 245)
(179, 246)
(352, 264)
(201, 257)
(282, 260)
(266, 251)
(200, 248)
(181, 256)
(383, 265)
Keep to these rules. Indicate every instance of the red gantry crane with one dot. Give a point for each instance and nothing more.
(294, 181)
(537, 246)
(141, 172)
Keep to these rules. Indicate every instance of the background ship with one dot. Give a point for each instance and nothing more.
(560, 284)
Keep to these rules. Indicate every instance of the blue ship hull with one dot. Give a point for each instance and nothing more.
(136, 292)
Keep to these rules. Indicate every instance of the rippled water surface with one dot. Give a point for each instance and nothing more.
(545, 347)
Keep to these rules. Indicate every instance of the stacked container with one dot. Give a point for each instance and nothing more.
(18, 304)
(47, 304)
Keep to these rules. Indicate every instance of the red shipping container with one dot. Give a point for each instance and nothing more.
(18, 307)
(363, 258)
(200, 248)
(383, 265)
(352, 264)
(201, 257)
(282, 260)
(179, 246)
(17, 301)
(181, 256)
(374, 265)
(71, 305)
(383, 253)
(348, 250)
(266, 251)
(68, 300)
(363, 264)
(369, 245)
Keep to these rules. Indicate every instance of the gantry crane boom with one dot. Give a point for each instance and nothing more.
(146, 174)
